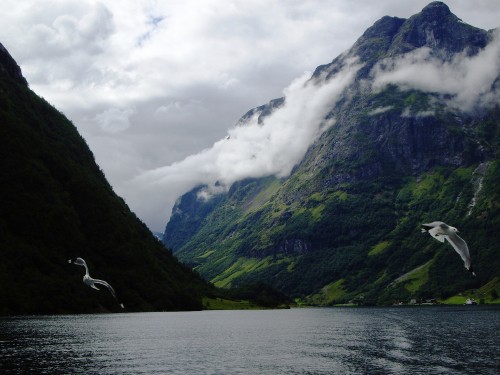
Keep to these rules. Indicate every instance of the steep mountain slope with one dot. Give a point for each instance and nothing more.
(56, 204)
(404, 149)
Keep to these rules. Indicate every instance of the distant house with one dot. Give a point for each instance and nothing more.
(430, 301)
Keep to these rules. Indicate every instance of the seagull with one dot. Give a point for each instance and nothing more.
(441, 231)
(87, 280)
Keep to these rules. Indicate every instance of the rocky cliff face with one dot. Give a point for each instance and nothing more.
(348, 214)
(437, 28)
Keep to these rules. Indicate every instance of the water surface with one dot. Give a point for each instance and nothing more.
(399, 340)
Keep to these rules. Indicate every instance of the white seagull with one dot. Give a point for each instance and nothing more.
(87, 280)
(441, 231)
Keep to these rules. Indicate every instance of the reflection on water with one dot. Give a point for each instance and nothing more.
(431, 340)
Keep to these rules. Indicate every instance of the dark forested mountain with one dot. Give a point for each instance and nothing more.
(402, 151)
(56, 204)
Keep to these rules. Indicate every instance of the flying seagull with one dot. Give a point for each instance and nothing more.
(87, 280)
(441, 231)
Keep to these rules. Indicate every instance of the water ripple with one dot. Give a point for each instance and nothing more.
(434, 340)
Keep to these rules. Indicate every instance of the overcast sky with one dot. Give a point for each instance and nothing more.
(151, 85)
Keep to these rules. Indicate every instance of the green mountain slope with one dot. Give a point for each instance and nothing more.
(55, 204)
(345, 224)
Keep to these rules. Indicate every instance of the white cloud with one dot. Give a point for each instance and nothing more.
(255, 150)
(408, 113)
(114, 120)
(55, 29)
(380, 110)
(469, 80)
(216, 59)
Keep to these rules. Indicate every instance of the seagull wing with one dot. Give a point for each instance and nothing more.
(460, 247)
(435, 229)
(437, 233)
(428, 226)
(102, 282)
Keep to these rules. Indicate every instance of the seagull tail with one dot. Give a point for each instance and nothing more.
(471, 271)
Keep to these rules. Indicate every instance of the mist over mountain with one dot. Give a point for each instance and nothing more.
(321, 193)
(55, 204)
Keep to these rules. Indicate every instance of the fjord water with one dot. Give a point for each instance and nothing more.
(397, 340)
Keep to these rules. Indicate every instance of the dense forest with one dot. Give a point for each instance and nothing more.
(55, 204)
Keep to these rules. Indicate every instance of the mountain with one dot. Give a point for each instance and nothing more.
(55, 204)
(413, 138)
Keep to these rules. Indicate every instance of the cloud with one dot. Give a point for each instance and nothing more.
(114, 120)
(380, 110)
(469, 80)
(273, 147)
(58, 29)
(215, 59)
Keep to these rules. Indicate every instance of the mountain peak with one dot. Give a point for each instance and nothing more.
(436, 9)
(403, 147)
(437, 28)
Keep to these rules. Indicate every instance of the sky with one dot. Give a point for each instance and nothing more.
(156, 87)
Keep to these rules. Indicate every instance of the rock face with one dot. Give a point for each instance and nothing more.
(437, 28)
(349, 213)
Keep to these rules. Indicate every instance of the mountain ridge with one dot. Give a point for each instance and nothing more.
(343, 215)
(9, 66)
(56, 204)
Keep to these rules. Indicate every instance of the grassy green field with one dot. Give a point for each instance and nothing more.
(328, 294)
(487, 294)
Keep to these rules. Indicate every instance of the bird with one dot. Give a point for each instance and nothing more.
(87, 280)
(441, 231)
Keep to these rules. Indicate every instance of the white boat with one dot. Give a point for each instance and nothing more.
(470, 301)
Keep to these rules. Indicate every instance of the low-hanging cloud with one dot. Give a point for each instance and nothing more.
(469, 80)
(253, 149)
